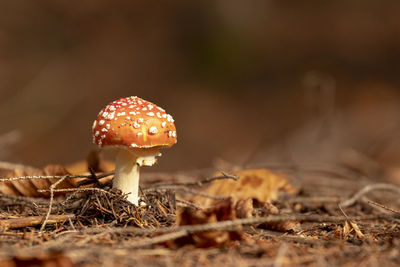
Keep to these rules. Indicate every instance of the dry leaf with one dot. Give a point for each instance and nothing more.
(260, 184)
(350, 228)
(28, 187)
(221, 211)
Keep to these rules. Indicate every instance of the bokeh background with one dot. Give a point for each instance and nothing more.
(248, 82)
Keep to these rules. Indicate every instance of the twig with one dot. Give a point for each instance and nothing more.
(157, 239)
(318, 199)
(187, 204)
(63, 177)
(382, 206)
(229, 224)
(33, 220)
(177, 232)
(187, 190)
(198, 183)
(52, 187)
(292, 238)
(198, 193)
(367, 189)
(77, 190)
(94, 178)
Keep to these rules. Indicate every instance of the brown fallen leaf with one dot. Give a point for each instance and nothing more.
(260, 184)
(221, 211)
(29, 187)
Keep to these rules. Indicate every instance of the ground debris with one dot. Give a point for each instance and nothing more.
(97, 225)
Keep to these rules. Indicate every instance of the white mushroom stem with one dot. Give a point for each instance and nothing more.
(126, 177)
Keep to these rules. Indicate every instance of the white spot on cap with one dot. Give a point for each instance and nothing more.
(101, 122)
(94, 124)
(121, 114)
(112, 108)
(109, 116)
(159, 115)
(144, 109)
(132, 113)
(139, 134)
(104, 130)
(108, 126)
(140, 120)
(161, 109)
(153, 130)
(136, 125)
(131, 106)
(127, 117)
(103, 136)
(150, 106)
(96, 133)
(124, 104)
(169, 118)
(150, 114)
(163, 124)
(171, 134)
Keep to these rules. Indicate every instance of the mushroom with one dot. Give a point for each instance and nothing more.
(137, 130)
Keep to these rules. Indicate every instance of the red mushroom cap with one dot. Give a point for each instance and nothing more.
(132, 122)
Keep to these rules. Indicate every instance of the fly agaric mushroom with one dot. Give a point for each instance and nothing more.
(136, 129)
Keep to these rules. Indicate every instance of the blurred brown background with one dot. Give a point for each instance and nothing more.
(246, 81)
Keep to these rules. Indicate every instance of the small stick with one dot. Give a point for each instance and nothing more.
(292, 238)
(63, 177)
(52, 187)
(198, 183)
(189, 191)
(157, 239)
(180, 231)
(77, 190)
(198, 193)
(367, 189)
(382, 206)
(94, 178)
(33, 221)
(312, 199)
(229, 224)
(184, 203)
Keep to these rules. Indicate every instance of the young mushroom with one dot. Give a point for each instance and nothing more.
(137, 130)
